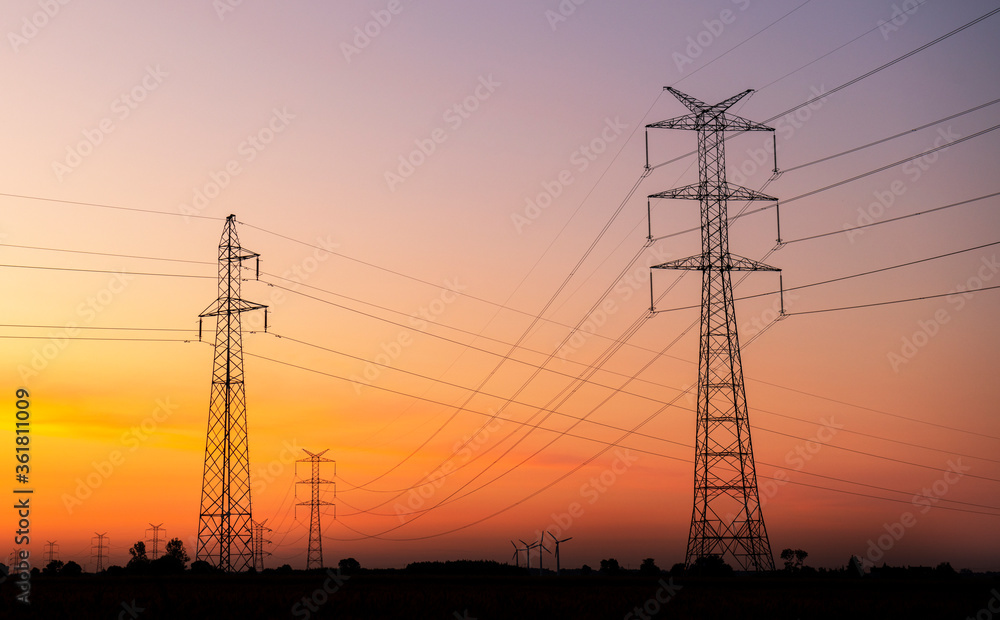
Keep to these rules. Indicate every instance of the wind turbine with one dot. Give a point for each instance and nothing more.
(517, 555)
(557, 541)
(541, 545)
(527, 554)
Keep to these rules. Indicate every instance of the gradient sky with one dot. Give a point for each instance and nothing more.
(283, 114)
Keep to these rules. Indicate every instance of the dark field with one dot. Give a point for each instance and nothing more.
(441, 597)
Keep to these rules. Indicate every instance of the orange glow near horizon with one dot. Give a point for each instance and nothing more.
(395, 305)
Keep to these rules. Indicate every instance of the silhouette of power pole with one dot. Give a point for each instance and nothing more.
(100, 552)
(314, 557)
(258, 544)
(155, 540)
(726, 520)
(51, 552)
(224, 534)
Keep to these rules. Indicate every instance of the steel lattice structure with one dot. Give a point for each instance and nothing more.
(314, 556)
(726, 520)
(100, 553)
(155, 540)
(258, 544)
(224, 527)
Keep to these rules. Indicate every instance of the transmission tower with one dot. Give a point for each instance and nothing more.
(51, 552)
(314, 557)
(726, 520)
(224, 534)
(99, 553)
(156, 538)
(258, 544)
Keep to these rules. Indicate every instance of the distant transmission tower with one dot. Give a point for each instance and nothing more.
(224, 534)
(99, 553)
(51, 552)
(258, 544)
(314, 557)
(156, 538)
(727, 520)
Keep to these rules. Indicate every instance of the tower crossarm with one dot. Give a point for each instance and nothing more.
(728, 191)
(729, 262)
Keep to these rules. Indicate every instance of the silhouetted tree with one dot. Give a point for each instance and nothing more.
(649, 567)
(349, 565)
(710, 565)
(944, 569)
(201, 567)
(71, 569)
(586, 570)
(610, 566)
(139, 561)
(53, 567)
(793, 558)
(175, 549)
(678, 569)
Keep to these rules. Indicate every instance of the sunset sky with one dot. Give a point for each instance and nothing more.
(432, 183)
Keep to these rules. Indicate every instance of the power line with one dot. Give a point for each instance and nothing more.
(892, 137)
(844, 181)
(114, 272)
(851, 276)
(107, 206)
(741, 43)
(849, 82)
(894, 219)
(885, 303)
(158, 258)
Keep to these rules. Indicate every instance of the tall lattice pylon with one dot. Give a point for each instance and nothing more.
(258, 544)
(51, 551)
(726, 520)
(224, 533)
(99, 550)
(157, 536)
(314, 557)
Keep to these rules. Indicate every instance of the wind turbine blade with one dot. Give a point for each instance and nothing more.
(552, 535)
(512, 542)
